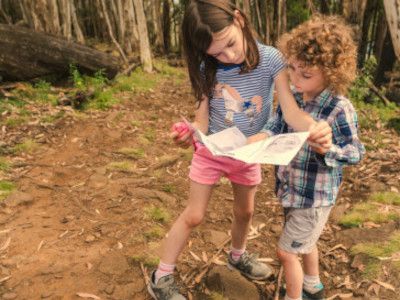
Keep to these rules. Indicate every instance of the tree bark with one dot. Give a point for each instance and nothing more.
(27, 54)
(392, 9)
(145, 52)
(166, 26)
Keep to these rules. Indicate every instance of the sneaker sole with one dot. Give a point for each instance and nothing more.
(231, 267)
(149, 289)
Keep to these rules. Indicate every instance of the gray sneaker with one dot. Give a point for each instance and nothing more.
(165, 289)
(250, 267)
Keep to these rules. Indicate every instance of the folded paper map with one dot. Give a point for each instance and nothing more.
(276, 150)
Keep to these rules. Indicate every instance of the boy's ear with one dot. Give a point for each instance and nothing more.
(239, 20)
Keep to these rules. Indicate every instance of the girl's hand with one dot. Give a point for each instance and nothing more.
(320, 139)
(182, 134)
(256, 137)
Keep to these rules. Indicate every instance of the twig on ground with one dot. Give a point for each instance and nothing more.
(278, 283)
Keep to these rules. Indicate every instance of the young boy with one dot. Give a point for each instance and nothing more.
(321, 60)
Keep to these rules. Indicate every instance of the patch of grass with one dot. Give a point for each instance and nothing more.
(374, 252)
(147, 260)
(136, 123)
(52, 118)
(371, 212)
(150, 134)
(43, 93)
(28, 146)
(135, 153)
(157, 214)
(6, 187)
(123, 166)
(155, 232)
(168, 188)
(389, 198)
(14, 122)
(5, 166)
(217, 296)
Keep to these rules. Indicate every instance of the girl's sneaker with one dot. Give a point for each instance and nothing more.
(250, 267)
(165, 289)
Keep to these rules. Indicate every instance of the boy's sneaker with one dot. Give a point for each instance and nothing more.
(165, 289)
(250, 267)
(318, 295)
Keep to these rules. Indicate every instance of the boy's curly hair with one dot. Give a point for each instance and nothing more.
(326, 42)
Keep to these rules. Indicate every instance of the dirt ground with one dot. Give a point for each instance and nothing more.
(80, 225)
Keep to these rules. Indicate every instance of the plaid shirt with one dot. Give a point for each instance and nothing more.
(311, 179)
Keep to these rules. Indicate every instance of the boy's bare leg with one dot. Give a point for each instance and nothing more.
(311, 263)
(293, 273)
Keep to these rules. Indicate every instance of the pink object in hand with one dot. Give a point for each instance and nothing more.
(182, 128)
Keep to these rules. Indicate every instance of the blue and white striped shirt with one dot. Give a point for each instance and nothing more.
(311, 179)
(245, 100)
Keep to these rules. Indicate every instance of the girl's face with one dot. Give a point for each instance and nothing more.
(307, 80)
(228, 45)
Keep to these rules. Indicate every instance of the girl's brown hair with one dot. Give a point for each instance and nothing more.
(203, 18)
(326, 42)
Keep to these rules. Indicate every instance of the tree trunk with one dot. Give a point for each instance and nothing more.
(75, 24)
(386, 61)
(392, 9)
(27, 54)
(365, 40)
(281, 25)
(145, 52)
(269, 16)
(157, 18)
(246, 9)
(166, 26)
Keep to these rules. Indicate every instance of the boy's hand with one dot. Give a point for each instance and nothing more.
(182, 134)
(320, 139)
(256, 137)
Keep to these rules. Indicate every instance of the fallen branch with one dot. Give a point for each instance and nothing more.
(278, 283)
(377, 92)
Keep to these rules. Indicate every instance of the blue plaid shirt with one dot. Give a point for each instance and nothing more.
(311, 179)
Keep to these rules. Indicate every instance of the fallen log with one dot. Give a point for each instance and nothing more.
(26, 54)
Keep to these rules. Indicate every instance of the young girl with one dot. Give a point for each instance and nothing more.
(232, 77)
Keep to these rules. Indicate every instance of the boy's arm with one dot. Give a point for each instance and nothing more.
(293, 115)
(347, 148)
(273, 126)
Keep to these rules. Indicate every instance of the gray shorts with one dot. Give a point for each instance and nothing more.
(303, 227)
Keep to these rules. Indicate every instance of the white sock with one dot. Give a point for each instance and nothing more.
(288, 298)
(312, 284)
(163, 270)
(236, 253)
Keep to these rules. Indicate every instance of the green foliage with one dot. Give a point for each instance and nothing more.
(369, 211)
(135, 153)
(5, 166)
(123, 166)
(147, 260)
(28, 146)
(370, 107)
(155, 232)
(297, 14)
(157, 214)
(6, 187)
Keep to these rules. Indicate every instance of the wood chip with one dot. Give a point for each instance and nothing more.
(194, 256)
(5, 245)
(88, 296)
(386, 285)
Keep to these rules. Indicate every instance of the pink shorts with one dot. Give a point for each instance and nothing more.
(208, 169)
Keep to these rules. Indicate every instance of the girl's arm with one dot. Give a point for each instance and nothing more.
(201, 116)
(183, 136)
(293, 115)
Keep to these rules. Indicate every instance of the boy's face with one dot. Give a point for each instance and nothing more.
(307, 80)
(228, 45)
